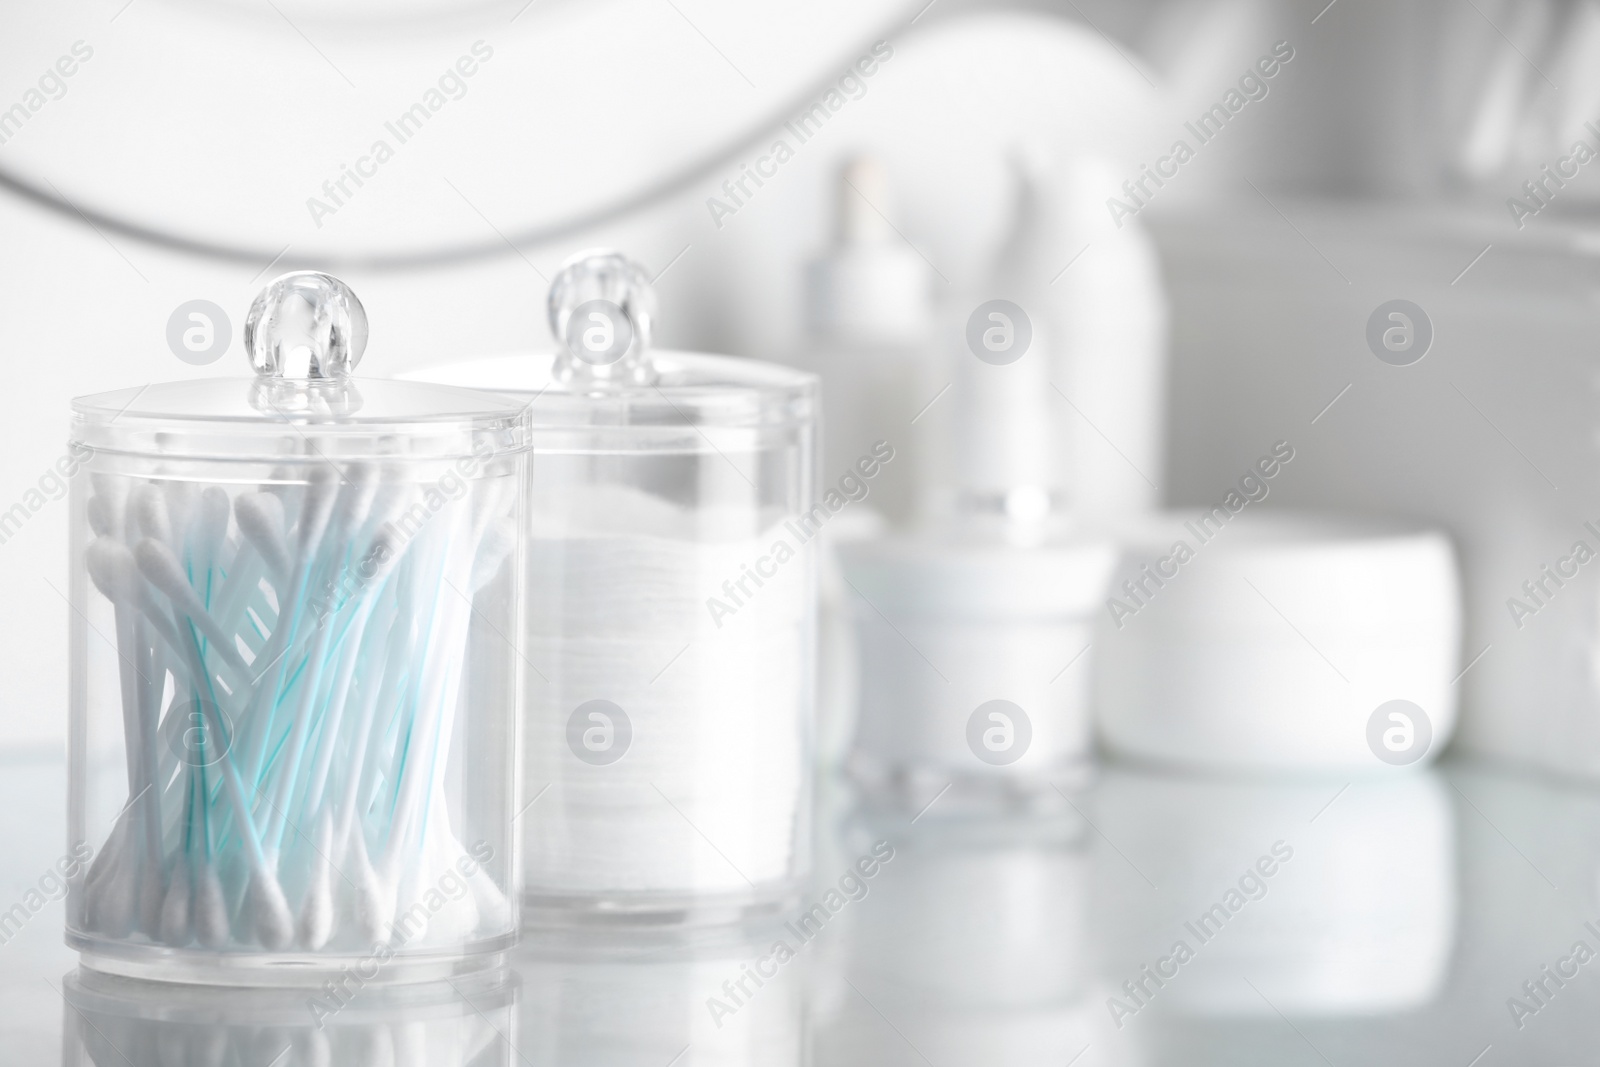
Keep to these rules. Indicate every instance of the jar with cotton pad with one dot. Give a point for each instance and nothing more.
(293, 690)
(1276, 641)
(672, 554)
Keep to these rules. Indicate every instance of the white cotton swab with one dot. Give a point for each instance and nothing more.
(261, 521)
(193, 905)
(182, 498)
(333, 645)
(98, 511)
(316, 923)
(117, 576)
(174, 928)
(148, 508)
(372, 901)
(141, 743)
(120, 905)
(208, 535)
(111, 493)
(211, 924)
(115, 573)
(439, 693)
(316, 503)
(273, 922)
(161, 568)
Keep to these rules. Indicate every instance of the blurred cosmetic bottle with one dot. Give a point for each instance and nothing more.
(869, 324)
(973, 625)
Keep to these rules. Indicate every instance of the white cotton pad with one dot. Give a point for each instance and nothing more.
(718, 714)
(670, 552)
(1267, 640)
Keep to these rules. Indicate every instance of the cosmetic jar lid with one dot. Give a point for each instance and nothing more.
(304, 336)
(607, 389)
(910, 578)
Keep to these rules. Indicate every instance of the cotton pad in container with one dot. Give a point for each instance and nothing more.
(672, 541)
(1278, 641)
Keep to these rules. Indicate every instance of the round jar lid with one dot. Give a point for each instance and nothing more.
(606, 388)
(304, 335)
(689, 389)
(907, 578)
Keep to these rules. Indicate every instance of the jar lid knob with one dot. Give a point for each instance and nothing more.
(306, 326)
(602, 315)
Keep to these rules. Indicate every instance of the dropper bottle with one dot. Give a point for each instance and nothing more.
(973, 628)
(869, 326)
(869, 318)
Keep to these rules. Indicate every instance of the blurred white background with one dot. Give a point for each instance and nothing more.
(177, 162)
(1417, 150)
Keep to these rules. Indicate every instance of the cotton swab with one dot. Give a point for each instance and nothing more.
(161, 568)
(119, 903)
(296, 648)
(338, 726)
(149, 508)
(316, 923)
(272, 921)
(114, 571)
(261, 521)
(112, 568)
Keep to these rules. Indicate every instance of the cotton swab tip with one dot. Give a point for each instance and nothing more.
(149, 509)
(260, 517)
(162, 568)
(212, 519)
(175, 912)
(210, 909)
(113, 570)
(316, 913)
(374, 906)
(101, 519)
(274, 923)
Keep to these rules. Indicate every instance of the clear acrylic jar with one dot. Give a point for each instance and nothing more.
(292, 742)
(671, 638)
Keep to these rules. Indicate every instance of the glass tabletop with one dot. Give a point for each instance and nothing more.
(1444, 917)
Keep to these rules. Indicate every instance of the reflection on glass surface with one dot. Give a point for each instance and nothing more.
(1242, 899)
(115, 1022)
(971, 946)
(688, 998)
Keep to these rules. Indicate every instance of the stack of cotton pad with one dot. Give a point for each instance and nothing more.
(1268, 640)
(706, 799)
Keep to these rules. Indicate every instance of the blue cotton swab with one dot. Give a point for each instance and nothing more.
(272, 920)
(332, 644)
(163, 571)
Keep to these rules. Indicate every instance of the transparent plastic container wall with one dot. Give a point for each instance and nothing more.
(292, 712)
(672, 556)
